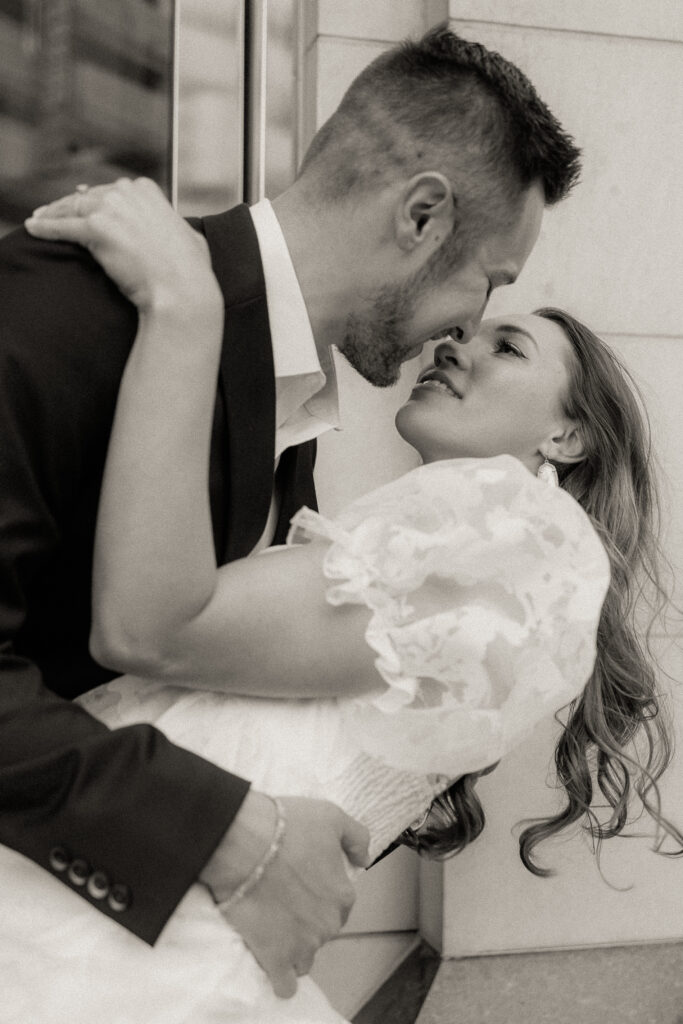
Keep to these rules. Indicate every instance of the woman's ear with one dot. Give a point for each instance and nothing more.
(567, 447)
(425, 213)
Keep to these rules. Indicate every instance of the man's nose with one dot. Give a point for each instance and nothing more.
(468, 328)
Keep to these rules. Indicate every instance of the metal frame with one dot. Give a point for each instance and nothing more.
(256, 79)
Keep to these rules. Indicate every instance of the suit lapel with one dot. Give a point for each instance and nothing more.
(295, 476)
(246, 381)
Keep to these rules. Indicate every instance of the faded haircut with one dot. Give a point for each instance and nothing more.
(450, 105)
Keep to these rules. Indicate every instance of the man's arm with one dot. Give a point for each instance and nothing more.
(148, 815)
(75, 797)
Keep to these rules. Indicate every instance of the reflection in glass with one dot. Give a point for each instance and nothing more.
(281, 96)
(85, 96)
(210, 105)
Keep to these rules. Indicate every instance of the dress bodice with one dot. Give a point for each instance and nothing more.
(289, 748)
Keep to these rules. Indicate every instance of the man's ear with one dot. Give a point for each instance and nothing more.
(425, 213)
(567, 446)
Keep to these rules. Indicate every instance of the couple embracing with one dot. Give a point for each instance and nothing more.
(191, 776)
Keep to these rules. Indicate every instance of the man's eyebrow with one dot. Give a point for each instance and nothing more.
(511, 329)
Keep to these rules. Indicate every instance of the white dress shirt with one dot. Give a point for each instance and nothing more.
(306, 400)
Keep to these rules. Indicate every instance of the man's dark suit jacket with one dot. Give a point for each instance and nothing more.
(124, 817)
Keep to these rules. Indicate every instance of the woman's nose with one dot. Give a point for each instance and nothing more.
(450, 353)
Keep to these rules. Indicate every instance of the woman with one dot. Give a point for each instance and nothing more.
(434, 621)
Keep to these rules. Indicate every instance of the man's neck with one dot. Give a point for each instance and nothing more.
(320, 248)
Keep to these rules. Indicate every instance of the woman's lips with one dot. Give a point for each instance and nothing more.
(434, 380)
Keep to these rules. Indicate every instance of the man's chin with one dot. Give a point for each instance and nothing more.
(413, 352)
(379, 375)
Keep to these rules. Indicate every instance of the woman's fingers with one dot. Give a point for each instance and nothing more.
(62, 228)
(132, 231)
(80, 203)
(87, 199)
(68, 218)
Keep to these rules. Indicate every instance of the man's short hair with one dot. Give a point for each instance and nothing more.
(445, 104)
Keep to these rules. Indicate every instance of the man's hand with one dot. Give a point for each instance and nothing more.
(305, 895)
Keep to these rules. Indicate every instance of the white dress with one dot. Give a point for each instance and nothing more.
(485, 586)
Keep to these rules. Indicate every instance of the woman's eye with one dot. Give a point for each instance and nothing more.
(503, 345)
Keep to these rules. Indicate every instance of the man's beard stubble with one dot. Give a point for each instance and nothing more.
(375, 344)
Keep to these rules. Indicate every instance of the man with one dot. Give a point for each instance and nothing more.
(422, 193)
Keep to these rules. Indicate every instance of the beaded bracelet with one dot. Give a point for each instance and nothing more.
(257, 874)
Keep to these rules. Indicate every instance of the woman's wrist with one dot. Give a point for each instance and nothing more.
(198, 298)
(171, 320)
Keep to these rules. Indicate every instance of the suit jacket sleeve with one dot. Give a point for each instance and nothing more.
(128, 805)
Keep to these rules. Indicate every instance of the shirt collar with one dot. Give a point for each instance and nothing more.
(294, 349)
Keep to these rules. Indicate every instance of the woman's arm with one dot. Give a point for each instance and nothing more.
(162, 608)
(265, 630)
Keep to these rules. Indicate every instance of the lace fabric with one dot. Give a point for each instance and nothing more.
(486, 587)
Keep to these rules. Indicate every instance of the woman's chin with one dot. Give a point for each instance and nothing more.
(411, 424)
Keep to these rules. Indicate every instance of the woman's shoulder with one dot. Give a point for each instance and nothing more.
(452, 494)
(485, 587)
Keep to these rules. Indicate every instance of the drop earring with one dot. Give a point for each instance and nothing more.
(547, 473)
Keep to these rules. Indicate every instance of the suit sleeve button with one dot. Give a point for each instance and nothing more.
(59, 858)
(98, 885)
(119, 898)
(79, 870)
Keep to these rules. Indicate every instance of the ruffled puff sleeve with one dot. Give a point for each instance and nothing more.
(485, 587)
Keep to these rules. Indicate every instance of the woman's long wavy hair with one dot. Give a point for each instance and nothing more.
(615, 734)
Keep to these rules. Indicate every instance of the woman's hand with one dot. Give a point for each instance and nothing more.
(157, 260)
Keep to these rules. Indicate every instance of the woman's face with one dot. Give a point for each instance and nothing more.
(502, 393)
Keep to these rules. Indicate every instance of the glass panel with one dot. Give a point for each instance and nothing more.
(281, 96)
(85, 96)
(211, 105)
